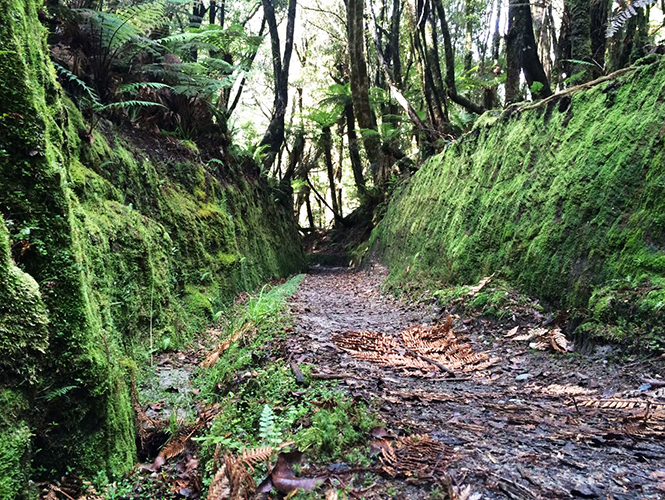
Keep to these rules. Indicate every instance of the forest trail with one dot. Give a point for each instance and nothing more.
(530, 425)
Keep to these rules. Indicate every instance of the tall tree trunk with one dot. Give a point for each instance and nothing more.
(580, 40)
(468, 34)
(450, 64)
(195, 20)
(542, 32)
(399, 97)
(360, 82)
(599, 13)
(562, 64)
(326, 140)
(308, 204)
(522, 54)
(393, 43)
(496, 35)
(249, 61)
(295, 157)
(354, 150)
(274, 135)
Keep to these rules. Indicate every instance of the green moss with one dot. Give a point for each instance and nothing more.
(561, 200)
(23, 321)
(15, 438)
(112, 247)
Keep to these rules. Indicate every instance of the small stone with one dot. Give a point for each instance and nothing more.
(524, 376)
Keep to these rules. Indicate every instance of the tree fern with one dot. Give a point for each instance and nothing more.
(110, 30)
(144, 17)
(617, 21)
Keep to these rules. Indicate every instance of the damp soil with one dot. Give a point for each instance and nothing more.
(531, 426)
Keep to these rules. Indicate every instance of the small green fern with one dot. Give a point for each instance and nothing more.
(268, 430)
(58, 393)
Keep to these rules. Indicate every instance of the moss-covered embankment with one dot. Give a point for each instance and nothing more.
(567, 201)
(104, 249)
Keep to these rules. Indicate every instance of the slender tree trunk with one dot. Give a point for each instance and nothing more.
(496, 35)
(399, 97)
(450, 64)
(195, 20)
(295, 157)
(326, 140)
(249, 61)
(393, 44)
(354, 150)
(468, 34)
(308, 205)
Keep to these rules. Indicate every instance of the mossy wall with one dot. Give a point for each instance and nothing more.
(566, 200)
(104, 245)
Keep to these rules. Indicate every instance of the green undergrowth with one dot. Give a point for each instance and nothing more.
(566, 202)
(261, 402)
(497, 300)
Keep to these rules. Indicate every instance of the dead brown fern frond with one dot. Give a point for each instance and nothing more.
(255, 455)
(231, 482)
(245, 332)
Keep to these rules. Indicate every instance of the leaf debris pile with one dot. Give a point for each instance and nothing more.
(542, 339)
(416, 457)
(419, 346)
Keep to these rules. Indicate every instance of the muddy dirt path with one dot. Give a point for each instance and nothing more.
(520, 429)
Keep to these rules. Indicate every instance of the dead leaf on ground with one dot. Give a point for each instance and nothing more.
(543, 339)
(512, 332)
(481, 284)
(283, 478)
(247, 330)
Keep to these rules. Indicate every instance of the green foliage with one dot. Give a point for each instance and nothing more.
(267, 407)
(536, 88)
(93, 101)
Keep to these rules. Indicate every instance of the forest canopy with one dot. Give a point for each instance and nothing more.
(334, 97)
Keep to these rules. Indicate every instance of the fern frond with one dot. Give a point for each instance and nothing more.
(59, 392)
(65, 73)
(112, 30)
(128, 104)
(145, 16)
(618, 20)
(255, 455)
(268, 428)
(132, 88)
